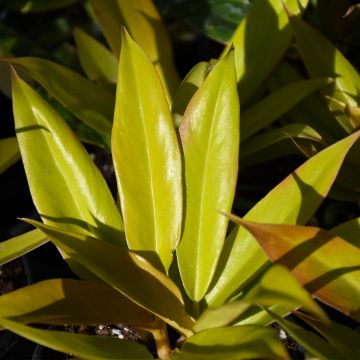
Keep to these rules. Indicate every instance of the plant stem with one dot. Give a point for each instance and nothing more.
(162, 343)
(196, 309)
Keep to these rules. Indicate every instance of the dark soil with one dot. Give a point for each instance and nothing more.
(12, 276)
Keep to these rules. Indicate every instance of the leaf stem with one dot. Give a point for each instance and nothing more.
(162, 343)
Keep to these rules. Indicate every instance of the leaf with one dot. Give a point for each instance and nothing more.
(233, 343)
(73, 302)
(147, 287)
(276, 287)
(146, 157)
(67, 188)
(20, 245)
(97, 61)
(327, 265)
(276, 105)
(91, 103)
(26, 6)
(271, 137)
(144, 24)
(187, 89)
(321, 58)
(254, 43)
(209, 134)
(293, 201)
(84, 346)
(9, 153)
(348, 230)
(313, 343)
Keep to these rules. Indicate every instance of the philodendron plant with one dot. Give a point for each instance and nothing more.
(167, 257)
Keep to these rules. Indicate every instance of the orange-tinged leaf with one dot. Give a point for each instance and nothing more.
(327, 265)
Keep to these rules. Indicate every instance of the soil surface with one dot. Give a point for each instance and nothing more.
(12, 276)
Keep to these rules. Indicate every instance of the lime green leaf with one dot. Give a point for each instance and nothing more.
(209, 134)
(253, 43)
(67, 188)
(84, 346)
(293, 201)
(327, 265)
(313, 343)
(271, 137)
(127, 272)
(144, 24)
(187, 89)
(276, 287)
(9, 153)
(20, 245)
(276, 104)
(26, 6)
(233, 343)
(97, 61)
(91, 103)
(321, 58)
(73, 302)
(349, 230)
(146, 157)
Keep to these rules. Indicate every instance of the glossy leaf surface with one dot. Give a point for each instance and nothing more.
(146, 157)
(9, 153)
(209, 134)
(84, 346)
(327, 265)
(127, 272)
(321, 58)
(276, 104)
(276, 287)
(90, 102)
(20, 245)
(67, 188)
(233, 343)
(187, 89)
(72, 302)
(293, 201)
(254, 43)
(143, 22)
(97, 61)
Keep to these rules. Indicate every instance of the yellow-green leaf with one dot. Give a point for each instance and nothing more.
(321, 58)
(209, 134)
(327, 265)
(73, 302)
(91, 103)
(233, 343)
(67, 188)
(146, 157)
(127, 272)
(84, 346)
(20, 245)
(145, 26)
(9, 153)
(97, 61)
(293, 201)
(276, 105)
(187, 89)
(259, 48)
(276, 287)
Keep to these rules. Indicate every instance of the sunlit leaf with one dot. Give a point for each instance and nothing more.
(144, 24)
(209, 134)
(91, 103)
(253, 43)
(146, 157)
(293, 201)
(127, 272)
(97, 61)
(67, 188)
(233, 343)
(20, 245)
(72, 302)
(9, 153)
(84, 346)
(327, 265)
